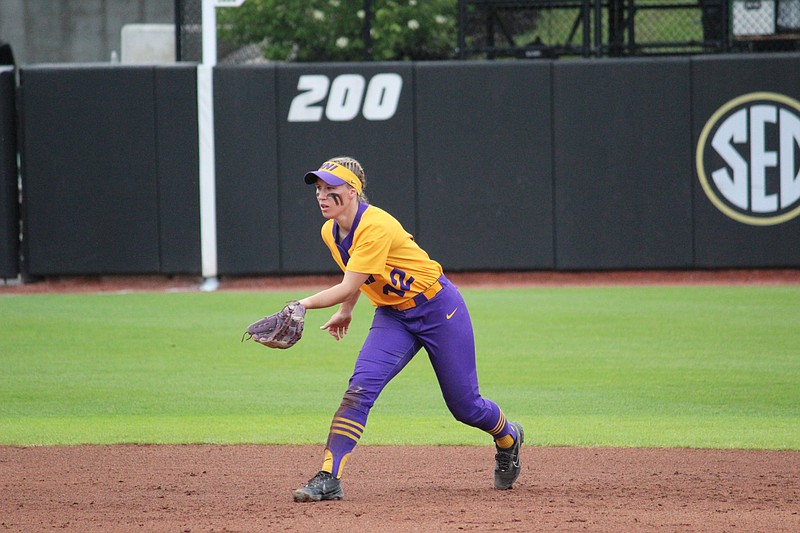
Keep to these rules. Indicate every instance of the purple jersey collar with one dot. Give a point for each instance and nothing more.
(347, 242)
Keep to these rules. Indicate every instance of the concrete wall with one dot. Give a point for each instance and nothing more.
(74, 31)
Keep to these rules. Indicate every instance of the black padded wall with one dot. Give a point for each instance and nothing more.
(572, 165)
(484, 164)
(177, 169)
(9, 202)
(751, 105)
(622, 155)
(248, 214)
(89, 181)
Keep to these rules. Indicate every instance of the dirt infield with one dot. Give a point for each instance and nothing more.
(421, 488)
(248, 488)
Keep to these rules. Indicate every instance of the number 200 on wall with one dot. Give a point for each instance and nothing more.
(347, 95)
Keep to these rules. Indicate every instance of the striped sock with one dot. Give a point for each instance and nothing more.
(343, 436)
(503, 433)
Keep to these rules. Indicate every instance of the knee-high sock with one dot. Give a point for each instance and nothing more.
(345, 432)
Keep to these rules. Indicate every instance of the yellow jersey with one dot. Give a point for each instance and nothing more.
(379, 246)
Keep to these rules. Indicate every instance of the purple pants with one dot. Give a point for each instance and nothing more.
(442, 326)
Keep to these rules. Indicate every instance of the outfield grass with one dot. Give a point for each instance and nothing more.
(654, 367)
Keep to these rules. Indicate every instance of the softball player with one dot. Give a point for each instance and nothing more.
(416, 307)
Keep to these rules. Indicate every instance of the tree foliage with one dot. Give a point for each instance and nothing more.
(333, 30)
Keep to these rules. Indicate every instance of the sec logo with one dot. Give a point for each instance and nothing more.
(746, 158)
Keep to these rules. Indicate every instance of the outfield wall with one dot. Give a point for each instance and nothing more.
(9, 204)
(687, 162)
(109, 170)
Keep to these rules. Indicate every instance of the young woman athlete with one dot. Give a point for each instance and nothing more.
(416, 307)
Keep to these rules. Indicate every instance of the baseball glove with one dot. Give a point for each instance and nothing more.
(279, 330)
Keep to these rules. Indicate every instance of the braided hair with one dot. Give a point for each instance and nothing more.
(355, 167)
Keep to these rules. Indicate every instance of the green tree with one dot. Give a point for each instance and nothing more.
(333, 30)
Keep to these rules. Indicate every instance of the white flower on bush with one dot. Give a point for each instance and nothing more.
(360, 14)
(412, 3)
(440, 19)
(342, 42)
(413, 24)
(318, 15)
(334, 3)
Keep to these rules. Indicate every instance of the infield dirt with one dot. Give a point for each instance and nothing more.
(388, 489)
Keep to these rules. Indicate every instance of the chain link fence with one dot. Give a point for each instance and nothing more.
(586, 28)
(766, 24)
(554, 28)
(524, 29)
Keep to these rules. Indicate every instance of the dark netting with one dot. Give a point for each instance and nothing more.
(554, 28)
(188, 30)
(547, 28)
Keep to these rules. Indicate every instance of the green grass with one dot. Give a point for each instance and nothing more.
(653, 367)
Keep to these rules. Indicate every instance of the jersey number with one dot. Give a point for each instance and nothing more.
(399, 284)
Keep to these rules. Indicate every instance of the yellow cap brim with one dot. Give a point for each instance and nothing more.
(335, 175)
